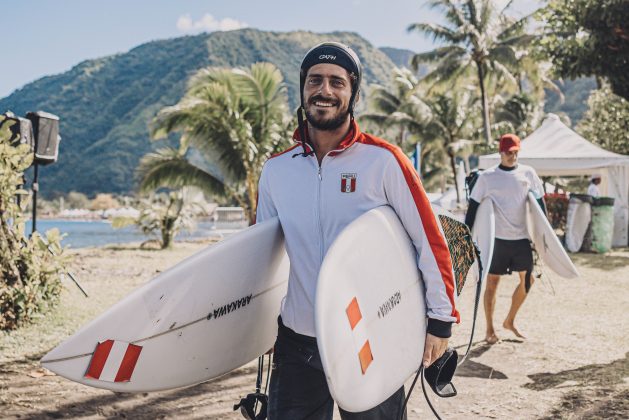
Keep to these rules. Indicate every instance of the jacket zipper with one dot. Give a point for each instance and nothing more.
(319, 212)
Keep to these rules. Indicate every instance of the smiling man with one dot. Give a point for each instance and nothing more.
(507, 186)
(334, 174)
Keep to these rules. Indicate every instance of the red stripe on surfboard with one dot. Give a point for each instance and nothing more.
(128, 363)
(98, 359)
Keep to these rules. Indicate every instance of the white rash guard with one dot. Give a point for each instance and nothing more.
(315, 203)
(508, 190)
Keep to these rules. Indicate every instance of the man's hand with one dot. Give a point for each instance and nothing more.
(433, 349)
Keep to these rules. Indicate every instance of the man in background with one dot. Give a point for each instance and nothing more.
(593, 187)
(507, 185)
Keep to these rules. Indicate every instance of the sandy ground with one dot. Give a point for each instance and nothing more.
(574, 363)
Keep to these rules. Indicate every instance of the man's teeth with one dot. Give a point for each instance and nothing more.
(325, 104)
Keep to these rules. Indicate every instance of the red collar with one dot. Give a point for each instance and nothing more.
(350, 138)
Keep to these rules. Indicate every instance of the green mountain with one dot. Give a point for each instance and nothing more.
(402, 58)
(105, 104)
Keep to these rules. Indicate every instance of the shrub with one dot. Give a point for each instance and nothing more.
(30, 268)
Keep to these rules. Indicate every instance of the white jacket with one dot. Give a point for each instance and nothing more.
(315, 203)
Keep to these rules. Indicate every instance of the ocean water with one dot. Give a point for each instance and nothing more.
(82, 233)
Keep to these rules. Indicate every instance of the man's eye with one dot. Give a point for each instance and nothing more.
(338, 83)
(314, 81)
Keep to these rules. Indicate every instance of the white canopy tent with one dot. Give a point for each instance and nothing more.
(555, 150)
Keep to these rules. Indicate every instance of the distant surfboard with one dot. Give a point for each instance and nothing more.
(577, 221)
(546, 241)
(370, 314)
(206, 316)
(484, 235)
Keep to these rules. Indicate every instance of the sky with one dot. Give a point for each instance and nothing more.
(45, 37)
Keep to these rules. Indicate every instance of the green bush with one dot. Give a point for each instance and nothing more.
(30, 268)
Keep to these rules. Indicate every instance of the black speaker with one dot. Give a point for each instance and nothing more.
(47, 139)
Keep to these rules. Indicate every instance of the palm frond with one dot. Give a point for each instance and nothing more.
(167, 168)
(384, 101)
(515, 28)
(450, 69)
(378, 119)
(518, 40)
(438, 54)
(488, 16)
(504, 55)
(453, 11)
(504, 72)
(436, 32)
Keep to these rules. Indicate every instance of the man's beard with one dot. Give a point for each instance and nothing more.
(329, 124)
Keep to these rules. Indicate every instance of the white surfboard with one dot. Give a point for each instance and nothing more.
(484, 235)
(206, 316)
(577, 222)
(546, 242)
(370, 314)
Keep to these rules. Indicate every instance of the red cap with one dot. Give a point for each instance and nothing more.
(509, 143)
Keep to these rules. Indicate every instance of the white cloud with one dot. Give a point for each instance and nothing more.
(208, 23)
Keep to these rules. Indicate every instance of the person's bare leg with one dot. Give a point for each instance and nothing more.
(519, 295)
(490, 303)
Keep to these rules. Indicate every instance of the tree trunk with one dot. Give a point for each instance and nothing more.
(599, 82)
(252, 193)
(456, 181)
(168, 234)
(483, 94)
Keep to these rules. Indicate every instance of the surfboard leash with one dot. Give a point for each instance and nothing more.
(446, 362)
(540, 272)
(479, 285)
(249, 405)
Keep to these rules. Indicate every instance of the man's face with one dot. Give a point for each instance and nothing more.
(509, 159)
(327, 92)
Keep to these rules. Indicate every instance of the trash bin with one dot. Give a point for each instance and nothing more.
(602, 224)
(577, 220)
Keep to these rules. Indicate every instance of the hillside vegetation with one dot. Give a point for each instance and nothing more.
(105, 104)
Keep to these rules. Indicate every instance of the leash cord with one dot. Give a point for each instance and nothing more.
(420, 372)
(479, 286)
(268, 374)
(259, 379)
(428, 399)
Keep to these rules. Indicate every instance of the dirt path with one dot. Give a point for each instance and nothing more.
(574, 363)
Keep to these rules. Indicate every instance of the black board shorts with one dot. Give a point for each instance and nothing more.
(510, 256)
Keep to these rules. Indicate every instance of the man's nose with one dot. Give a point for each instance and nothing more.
(325, 87)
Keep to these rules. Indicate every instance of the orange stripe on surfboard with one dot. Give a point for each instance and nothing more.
(353, 313)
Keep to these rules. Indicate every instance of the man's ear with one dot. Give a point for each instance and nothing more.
(357, 97)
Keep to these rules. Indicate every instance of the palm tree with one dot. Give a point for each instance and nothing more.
(231, 121)
(520, 114)
(401, 115)
(396, 111)
(477, 36)
(165, 214)
(452, 125)
(441, 122)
